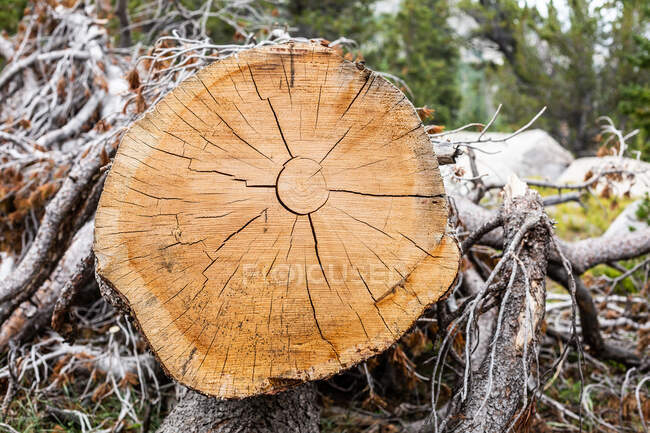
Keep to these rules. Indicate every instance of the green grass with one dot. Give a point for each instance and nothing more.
(573, 221)
(29, 415)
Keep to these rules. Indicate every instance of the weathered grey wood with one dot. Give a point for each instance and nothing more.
(503, 377)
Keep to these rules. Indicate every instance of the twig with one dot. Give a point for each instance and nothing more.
(488, 226)
(561, 198)
(15, 67)
(74, 125)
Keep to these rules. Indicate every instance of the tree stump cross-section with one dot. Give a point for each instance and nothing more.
(276, 218)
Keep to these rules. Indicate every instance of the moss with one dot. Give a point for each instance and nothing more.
(643, 211)
(11, 13)
(568, 392)
(591, 218)
(623, 288)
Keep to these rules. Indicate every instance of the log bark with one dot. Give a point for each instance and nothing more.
(473, 283)
(293, 411)
(587, 253)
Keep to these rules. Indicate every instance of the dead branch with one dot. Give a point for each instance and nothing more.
(486, 322)
(590, 323)
(16, 67)
(495, 221)
(583, 254)
(561, 198)
(74, 124)
(587, 253)
(122, 13)
(499, 386)
(28, 317)
(46, 249)
(472, 217)
(83, 273)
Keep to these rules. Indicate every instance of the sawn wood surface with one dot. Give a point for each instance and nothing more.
(276, 218)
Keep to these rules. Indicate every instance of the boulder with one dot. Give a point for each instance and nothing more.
(627, 221)
(635, 182)
(531, 154)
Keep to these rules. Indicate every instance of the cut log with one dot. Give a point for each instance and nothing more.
(275, 219)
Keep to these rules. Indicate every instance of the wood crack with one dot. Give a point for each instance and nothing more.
(229, 127)
(277, 122)
(313, 310)
(335, 144)
(355, 96)
(387, 195)
(364, 222)
(313, 231)
(250, 71)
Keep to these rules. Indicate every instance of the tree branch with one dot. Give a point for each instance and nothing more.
(48, 244)
(499, 386)
(589, 320)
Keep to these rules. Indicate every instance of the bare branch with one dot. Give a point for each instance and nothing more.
(39, 259)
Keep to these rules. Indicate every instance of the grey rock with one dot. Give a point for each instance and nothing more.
(627, 221)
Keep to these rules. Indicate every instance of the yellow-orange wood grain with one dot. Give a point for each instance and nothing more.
(276, 218)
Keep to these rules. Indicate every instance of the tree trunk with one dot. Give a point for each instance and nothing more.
(293, 411)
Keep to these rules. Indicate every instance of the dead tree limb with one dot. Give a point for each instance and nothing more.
(589, 321)
(48, 245)
(489, 225)
(83, 273)
(499, 387)
(74, 125)
(27, 317)
(561, 198)
(587, 253)
(583, 254)
(472, 282)
(473, 218)
(16, 67)
(122, 13)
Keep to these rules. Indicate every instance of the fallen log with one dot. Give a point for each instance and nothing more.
(277, 218)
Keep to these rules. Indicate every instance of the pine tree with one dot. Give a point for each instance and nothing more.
(579, 67)
(418, 46)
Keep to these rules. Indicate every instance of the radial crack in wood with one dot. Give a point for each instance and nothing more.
(276, 218)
